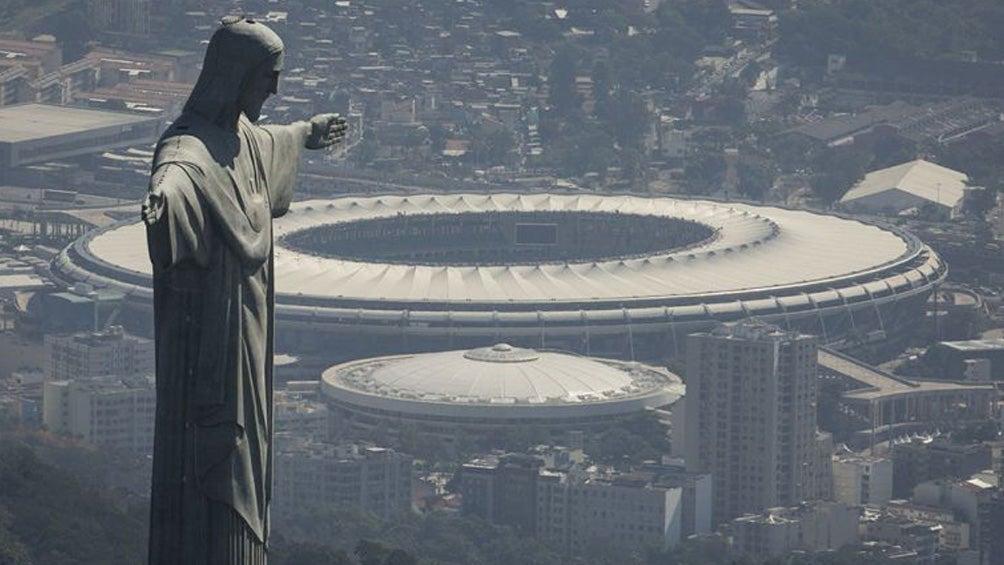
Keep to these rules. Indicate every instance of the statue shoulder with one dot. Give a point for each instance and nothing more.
(181, 147)
(191, 140)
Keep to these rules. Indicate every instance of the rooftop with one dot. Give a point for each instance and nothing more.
(501, 382)
(500, 374)
(28, 122)
(920, 178)
(753, 329)
(756, 248)
(878, 384)
(974, 345)
(833, 130)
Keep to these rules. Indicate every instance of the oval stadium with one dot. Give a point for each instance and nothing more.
(621, 276)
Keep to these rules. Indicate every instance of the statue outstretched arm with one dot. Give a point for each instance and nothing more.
(283, 147)
(326, 130)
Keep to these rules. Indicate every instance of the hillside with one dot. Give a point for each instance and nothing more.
(48, 517)
(21, 16)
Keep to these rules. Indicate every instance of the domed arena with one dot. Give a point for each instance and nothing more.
(493, 389)
(617, 276)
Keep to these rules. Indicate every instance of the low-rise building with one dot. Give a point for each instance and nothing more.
(861, 479)
(313, 477)
(577, 507)
(912, 185)
(919, 461)
(752, 21)
(299, 410)
(948, 358)
(954, 534)
(812, 527)
(918, 538)
(963, 497)
(696, 519)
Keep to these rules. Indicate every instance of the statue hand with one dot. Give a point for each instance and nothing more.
(153, 207)
(326, 130)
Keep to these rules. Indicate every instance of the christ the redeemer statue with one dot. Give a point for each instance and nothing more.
(218, 180)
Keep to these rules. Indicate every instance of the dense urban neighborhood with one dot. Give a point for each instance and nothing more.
(652, 282)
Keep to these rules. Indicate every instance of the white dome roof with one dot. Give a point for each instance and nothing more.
(501, 377)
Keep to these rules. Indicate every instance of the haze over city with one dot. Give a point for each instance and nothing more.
(493, 282)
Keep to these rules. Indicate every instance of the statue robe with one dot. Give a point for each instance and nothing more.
(211, 249)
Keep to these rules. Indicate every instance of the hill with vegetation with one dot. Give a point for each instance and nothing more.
(48, 517)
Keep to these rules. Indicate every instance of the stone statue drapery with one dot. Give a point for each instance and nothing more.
(218, 181)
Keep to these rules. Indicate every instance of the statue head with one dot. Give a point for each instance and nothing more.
(240, 71)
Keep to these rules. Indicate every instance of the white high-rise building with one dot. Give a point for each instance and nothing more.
(95, 354)
(109, 411)
(751, 417)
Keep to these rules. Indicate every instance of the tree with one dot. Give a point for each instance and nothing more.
(365, 151)
(494, 147)
(581, 147)
(756, 176)
(48, 517)
(636, 440)
(602, 85)
(792, 153)
(633, 162)
(923, 29)
(628, 118)
(561, 82)
(836, 171)
(711, 18)
(308, 554)
(703, 550)
(750, 73)
(675, 35)
(437, 138)
(12, 551)
(704, 172)
(372, 552)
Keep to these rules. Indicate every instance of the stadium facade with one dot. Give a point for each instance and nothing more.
(617, 276)
(491, 390)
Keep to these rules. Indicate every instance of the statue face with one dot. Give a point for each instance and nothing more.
(260, 83)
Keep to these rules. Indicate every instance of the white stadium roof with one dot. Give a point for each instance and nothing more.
(820, 273)
(756, 247)
(919, 178)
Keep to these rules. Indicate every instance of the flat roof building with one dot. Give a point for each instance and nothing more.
(36, 133)
(575, 507)
(313, 477)
(93, 354)
(860, 479)
(110, 411)
(949, 358)
(917, 461)
(813, 527)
